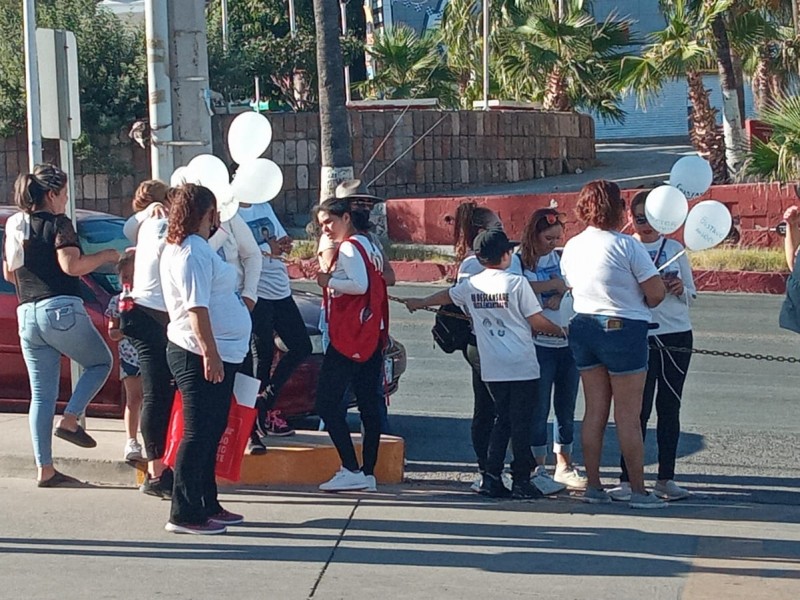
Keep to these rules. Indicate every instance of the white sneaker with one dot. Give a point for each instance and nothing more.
(344, 481)
(372, 484)
(621, 493)
(544, 482)
(475, 486)
(133, 450)
(572, 478)
(671, 491)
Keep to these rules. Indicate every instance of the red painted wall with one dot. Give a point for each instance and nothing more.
(755, 208)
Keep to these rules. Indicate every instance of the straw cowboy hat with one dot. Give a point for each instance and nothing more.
(356, 190)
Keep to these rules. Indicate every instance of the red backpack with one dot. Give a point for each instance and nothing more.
(354, 322)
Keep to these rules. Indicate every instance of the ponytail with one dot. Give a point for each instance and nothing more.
(469, 221)
(31, 189)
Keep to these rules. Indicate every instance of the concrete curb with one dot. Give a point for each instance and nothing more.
(706, 281)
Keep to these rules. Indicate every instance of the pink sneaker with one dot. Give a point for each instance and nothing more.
(277, 425)
(225, 517)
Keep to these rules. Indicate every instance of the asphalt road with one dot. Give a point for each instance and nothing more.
(740, 419)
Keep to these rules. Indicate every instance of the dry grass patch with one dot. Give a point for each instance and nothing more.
(762, 260)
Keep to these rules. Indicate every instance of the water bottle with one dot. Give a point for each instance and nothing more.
(126, 299)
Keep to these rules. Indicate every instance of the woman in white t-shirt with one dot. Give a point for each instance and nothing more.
(667, 368)
(614, 284)
(349, 307)
(209, 332)
(558, 374)
(470, 220)
(146, 327)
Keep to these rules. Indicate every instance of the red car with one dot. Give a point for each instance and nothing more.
(96, 231)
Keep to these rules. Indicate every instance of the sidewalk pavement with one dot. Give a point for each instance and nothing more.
(416, 540)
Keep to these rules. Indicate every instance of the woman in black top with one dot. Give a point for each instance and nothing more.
(43, 258)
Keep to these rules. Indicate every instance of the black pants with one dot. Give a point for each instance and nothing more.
(513, 401)
(337, 373)
(284, 318)
(149, 337)
(483, 413)
(666, 371)
(205, 416)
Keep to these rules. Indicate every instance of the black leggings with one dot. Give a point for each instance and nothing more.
(284, 318)
(483, 413)
(666, 370)
(337, 373)
(149, 337)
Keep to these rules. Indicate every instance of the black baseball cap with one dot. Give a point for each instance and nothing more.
(491, 244)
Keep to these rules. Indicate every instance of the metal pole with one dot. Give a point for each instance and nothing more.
(224, 4)
(258, 94)
(292, 19)
(159, 89)
(32, 85)
(65, 118)
(486, 54)
(348, 97)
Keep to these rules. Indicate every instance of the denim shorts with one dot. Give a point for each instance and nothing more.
(619, 345)
(126, 369)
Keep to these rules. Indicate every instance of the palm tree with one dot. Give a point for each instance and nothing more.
(461, 32)
(779, 158)
(334, 127)
(566, 61)
(410, 66)
(683, 49)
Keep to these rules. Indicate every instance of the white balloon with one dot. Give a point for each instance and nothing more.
(666, 208)
(178, 177)
(257, 181)
(209, 171)
(227, 205)
(692, 175)
(249, 136)
(707, 225)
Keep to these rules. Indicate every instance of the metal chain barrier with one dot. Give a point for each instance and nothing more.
(728, 354)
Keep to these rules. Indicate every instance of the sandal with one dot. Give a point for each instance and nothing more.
(79, 437)
(56, 480)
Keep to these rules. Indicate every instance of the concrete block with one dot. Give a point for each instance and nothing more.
(480, 122)
(302, 152)
(302, 177)
(278, 152)
(290, 152)
(89, 191)
(101, 186)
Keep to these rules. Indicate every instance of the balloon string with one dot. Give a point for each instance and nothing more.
(672, 260)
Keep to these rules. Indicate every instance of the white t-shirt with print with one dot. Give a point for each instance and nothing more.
(499, 303)
(194, 276)
(548, 267)
(274, 283)
(604, 270)
(472, 266)
(672, 315)
(150, 241)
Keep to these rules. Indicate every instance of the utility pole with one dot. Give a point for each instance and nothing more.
(486, 32)
(159, 92)
(343, 8)
(337, 160)
(32, 102)
(191, 95)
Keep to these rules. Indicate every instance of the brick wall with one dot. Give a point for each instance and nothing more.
(463, 149)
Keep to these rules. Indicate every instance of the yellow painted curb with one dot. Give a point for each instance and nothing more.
(309, 458)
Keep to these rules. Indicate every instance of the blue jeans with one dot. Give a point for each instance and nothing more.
(47, 329)
(558, 378)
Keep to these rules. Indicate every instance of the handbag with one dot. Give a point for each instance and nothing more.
(451, 329)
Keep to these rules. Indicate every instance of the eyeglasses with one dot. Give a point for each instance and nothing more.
(640, 219)
(552, 218)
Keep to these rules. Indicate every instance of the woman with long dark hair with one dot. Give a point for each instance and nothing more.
(208, 332)
(355, 303)
(558, 378)
(44, 260)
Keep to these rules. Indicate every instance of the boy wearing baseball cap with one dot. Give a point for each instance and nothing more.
(503, 309)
